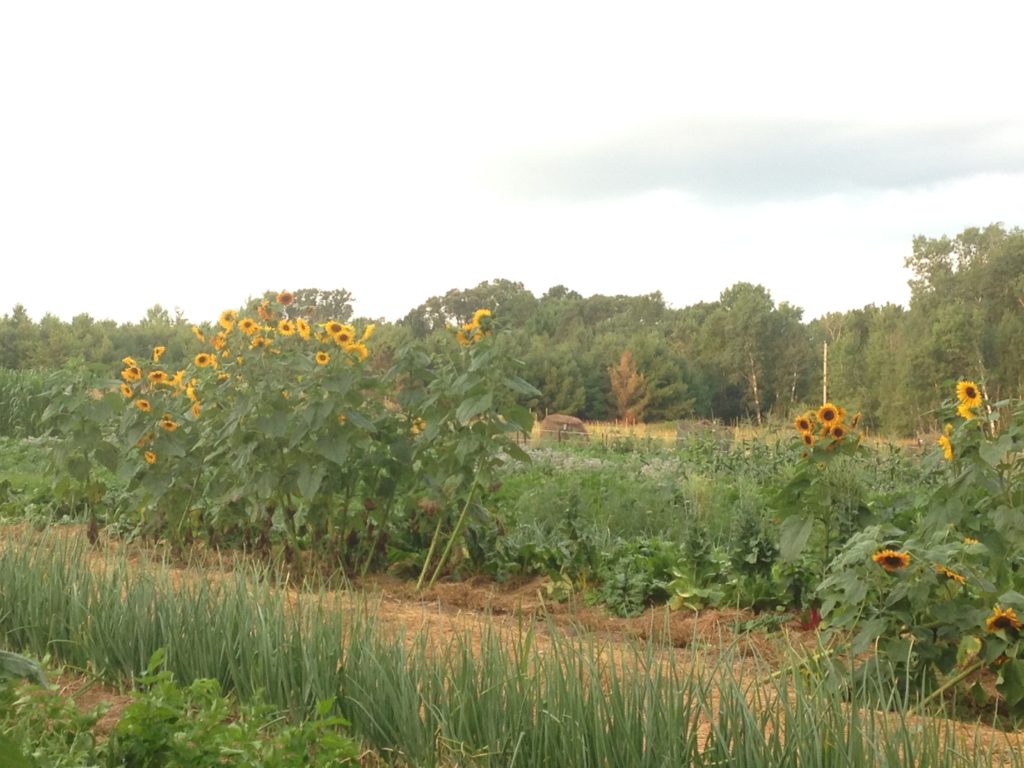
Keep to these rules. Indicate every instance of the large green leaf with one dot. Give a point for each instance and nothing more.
(473, 407)
(11, 756)
(793, 536)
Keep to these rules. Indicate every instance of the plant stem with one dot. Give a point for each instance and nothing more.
(460, 523)
(430, 553)
(949, 684)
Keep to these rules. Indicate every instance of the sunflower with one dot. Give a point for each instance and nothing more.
(286, 328)
(190, 391)
(344, 335)
(341, 419)
(158, 352)
(158, 377)
(359, 349)
(891, 560)
(303, 328)
(204, 360)
(803, 423)
(219, 341)
(143, 405)
(222, 377)
(129, 361)
(969, 541)
(198, 333)
(333, 327)
(126, 390)
(963, 410)
(131, 373)
(285, 298)
(947, 447)
(808, 439)
(838, 431)
(322, 358)
(1002, 619)
(227, 319)
(259, 341)
(828, 415)
(196, 409)
(968, 394)
(368, 331)
(167, 423)
(248, 326)
(479, 315)
(950, 574)
(263, 310)
(150, 457)
(144, 440)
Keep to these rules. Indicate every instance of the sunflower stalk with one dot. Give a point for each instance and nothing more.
(459, 525)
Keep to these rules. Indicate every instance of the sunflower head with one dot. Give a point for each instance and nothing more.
(964, 411)
(368, 331)
(803, 423)
(828, 414)
(158, 352)
(198, 333)
(333, 327)
(947, 447)
(286, 328)
(143, 405)
(158, 377)
(322, 358)
(891, 560)
(837, 432)
(204, 360)
(131, 373)
(196, 409)
(950, 574)
(968, 394)
(227, 319)
(129, 361)
(285, 298)
(479, 315)
(126, 390)
(1005, 619)
(167, 423)
(264, 311)
(150, 457)
(303, 328)
(248, 326)
(808, 439)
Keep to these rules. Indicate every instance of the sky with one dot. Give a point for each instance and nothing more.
(194, 154)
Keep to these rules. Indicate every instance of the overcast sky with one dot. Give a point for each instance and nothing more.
(193, 154)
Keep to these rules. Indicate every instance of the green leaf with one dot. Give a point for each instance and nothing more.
(11, 755)
(309, 479)
(16, 665)
(474, 406)
(793, 536)
(1011, 681)
(106, 454)
(334, 448)
(522, 386)
(994, 452)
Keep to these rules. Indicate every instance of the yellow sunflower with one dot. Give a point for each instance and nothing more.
(964, 411)
(143, 405)
(131, 373)
(828, 415)
(150, 457)
(198, 333)
(838, 431)
(263, 310)
(359, 349)
(947, 447)
(322, 358)
(803, 423)
(227, 319)
(190, 391)
(368, 331)
(158, 377)
(333, 327)
(303, 328)
(968, 394)
(248, 326)
(286, 328)
(950, 574)
(479, 315)
(219, 341)
(129, 362)
(196, 408)
(285, 298)
(1002, 619)
(891, 560)
(808, 439)
(158, 352)
(259, 341)
(344, 335)
(167, 423)
(126, 390)
(204, 360)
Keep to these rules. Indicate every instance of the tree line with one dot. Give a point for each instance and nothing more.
(634, 358)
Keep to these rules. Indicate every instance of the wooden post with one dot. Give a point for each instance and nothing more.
(824, 374)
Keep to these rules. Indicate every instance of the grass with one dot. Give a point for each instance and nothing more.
(532, 698)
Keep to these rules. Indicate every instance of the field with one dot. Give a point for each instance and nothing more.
(281, 557)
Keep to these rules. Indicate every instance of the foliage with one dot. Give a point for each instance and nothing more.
(937, 594)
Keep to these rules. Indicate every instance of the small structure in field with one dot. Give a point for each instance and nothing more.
(559, 427)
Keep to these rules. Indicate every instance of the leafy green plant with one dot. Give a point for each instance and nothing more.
(939, 599)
